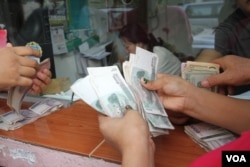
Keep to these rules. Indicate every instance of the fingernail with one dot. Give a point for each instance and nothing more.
(145, 80)
(128, 107)
(205, 84)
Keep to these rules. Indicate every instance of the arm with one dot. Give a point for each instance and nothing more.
(208, 55)
(181, 96)
(140, 154)
(220, 110)
(130, 136)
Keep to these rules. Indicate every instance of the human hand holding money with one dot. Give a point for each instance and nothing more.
(196, 72)
(106, 91)
(17, 93)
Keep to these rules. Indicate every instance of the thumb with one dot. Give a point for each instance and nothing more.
(213, 80)
(150, 85)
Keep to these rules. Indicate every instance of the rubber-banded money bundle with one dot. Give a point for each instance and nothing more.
(35, 46)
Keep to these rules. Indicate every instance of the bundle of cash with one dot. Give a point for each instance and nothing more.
(12, 120)
(16, 94)
(209, 136)
(195, 72)
(106, 90)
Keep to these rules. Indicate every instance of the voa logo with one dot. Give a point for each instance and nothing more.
(236, 158)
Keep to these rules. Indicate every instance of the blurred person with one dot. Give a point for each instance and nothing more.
(133, 35)
(232, 37)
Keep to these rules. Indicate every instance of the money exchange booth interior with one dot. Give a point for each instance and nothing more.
(75, 35)
(80, 34)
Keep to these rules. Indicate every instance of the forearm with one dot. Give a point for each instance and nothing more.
(141, 154)
(220, 110)
(208, 55)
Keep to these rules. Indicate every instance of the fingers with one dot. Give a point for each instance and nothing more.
(213, 81)
(24, 81)
(28, 62)
(26, 51)
(44, 76)
(35, 90)
(28, 72)
(42, 80)
(105, 122)
(156, 84)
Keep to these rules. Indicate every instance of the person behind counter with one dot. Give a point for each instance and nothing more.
(133, 35)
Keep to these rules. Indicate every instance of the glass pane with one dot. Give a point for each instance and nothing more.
(184, 27)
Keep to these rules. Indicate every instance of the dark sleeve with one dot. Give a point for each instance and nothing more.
(222, 37)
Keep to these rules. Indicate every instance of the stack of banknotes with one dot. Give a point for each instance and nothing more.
(108, 92)
(209, 136)
(206, 135)
(195, 72)
(12, 120)
(16, 94)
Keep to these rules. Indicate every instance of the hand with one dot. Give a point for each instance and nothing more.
(42, 80)
(122, 132)
(174, 93)
(235, 72)
(130, 136)
(16, 69)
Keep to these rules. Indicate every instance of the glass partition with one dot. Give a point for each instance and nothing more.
(81, 33)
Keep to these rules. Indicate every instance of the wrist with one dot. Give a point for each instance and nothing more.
(193, 102)
(141, 153)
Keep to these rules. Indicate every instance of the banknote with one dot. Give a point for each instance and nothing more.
(11, 117)
(195, 72)
(12, 120)
(83, 89)
(209, 136)
(17, 94)
(143, 64)
(45, 105)
(109, 92)
(113, 95)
